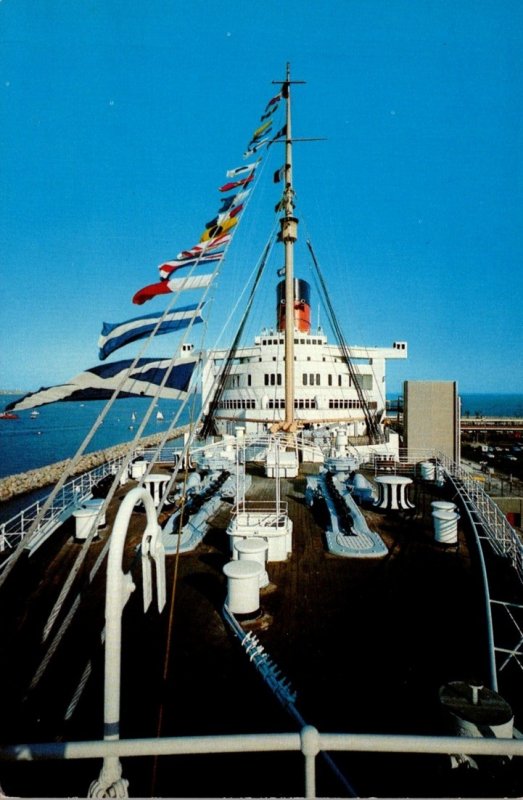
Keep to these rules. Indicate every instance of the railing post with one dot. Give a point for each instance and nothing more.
(310, 747)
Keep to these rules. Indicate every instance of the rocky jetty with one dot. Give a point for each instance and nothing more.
(25, 482)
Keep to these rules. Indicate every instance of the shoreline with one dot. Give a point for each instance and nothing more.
(24, 482)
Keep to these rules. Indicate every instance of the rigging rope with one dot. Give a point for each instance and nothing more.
(372, 426)
(208, 425)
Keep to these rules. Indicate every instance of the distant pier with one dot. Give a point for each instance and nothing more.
(506, 424)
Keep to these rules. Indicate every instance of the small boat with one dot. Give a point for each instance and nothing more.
(8, 415)
(34, 414)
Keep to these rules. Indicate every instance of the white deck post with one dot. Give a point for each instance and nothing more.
(310, 747)
(120, 585)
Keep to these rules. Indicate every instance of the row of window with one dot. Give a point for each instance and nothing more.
(296, 341)
(233, 381)
(314, 379)
(351, 404)
(298, 403)
(311, 379)
(301, 402)
(272, 379)
(232, 404)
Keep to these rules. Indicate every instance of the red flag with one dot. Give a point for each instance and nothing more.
(228, 186)
(173, 285)
(148, 292)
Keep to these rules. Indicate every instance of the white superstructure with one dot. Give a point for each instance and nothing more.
(325, 390)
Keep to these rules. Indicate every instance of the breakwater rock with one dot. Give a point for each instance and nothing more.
(24, 482)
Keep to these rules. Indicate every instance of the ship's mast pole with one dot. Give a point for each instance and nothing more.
(289, 234)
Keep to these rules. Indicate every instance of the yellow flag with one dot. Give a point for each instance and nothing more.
(218, 230)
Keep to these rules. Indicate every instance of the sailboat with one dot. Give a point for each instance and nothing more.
(159, 416)
(318, 634)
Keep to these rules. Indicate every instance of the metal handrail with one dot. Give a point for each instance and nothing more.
(499, 532)
(309, 741)
(71, 495)
(263, 513)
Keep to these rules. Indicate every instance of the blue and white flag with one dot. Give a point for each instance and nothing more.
(118, 334)
(232, 173)
(99, 383)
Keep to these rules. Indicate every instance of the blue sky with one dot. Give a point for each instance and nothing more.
(120, 119)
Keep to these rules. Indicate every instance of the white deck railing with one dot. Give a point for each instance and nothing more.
(309, 741)
(262, 513)
(500, 534)
(73, 493)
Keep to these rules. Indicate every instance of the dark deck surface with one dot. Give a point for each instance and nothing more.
(365, 643)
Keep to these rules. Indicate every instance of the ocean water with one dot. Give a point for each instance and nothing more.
(492, 405)
(60, 428)
(485, 405)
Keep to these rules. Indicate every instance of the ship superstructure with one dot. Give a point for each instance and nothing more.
(326, 390)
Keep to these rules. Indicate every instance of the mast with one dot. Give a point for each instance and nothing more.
(289, 235)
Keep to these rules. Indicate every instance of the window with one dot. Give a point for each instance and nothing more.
(305, 379)
(329, 377)
(364, 381)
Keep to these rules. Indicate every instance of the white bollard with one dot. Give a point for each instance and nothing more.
(243, 586)
(428, 470)
(443, 505)
(254, 549)
(84, 519)
(445, 526)
(138, 469)
(95, 504)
